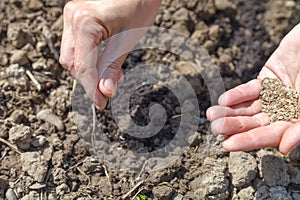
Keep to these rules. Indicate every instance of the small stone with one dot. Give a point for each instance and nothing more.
(224, 5)
(186, 68)
(214, 32)
(4, 60)
(39, 65)
(181, 15)
(274, 171)
(279, 193)
(162, 192)
(34, 165)
(52, 196)
(16, 35)
(10, 195)
(246, 193)
(31, 196)
(262, 193)
(38, 141)
(242, 167)
(290, 4)
(14, 70)
(17, 116)
(20, 57)
(21, 136)
(41, 46)
(35, 5)
(62, 189)
(194, 140)
(37, 186)
(48, 116)
(3, 182)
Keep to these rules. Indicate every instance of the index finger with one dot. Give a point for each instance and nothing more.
(242, 93)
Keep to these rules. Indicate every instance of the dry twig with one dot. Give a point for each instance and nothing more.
(125, 196)
(33, 79)
(13, 147)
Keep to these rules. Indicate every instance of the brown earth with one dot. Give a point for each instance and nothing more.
(42, 155)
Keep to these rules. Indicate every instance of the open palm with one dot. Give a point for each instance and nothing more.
(239, 113)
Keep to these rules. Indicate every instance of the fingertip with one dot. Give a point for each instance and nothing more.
(222, 100)
(107, 87)
(217, 126)
(209, 113)
(229, 145)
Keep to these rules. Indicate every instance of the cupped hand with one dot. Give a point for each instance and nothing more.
(239, 114)
(89, 22)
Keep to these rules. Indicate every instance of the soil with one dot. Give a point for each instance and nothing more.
(44, 157)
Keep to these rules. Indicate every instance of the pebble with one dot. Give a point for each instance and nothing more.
(35, 5)
(246, 193)
(37, 186)
(279, 193)
(3, 182)
(16, 35)
(17, 116)
(48, 116)
(21, 136)
(224, 4)
(62, 189)
(14, 70)
(38, 141)
(10, 195)
(186, 68)
(20, 57)
(162, 192)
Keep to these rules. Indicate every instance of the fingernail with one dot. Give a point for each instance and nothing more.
(110, 85)
(221, 99)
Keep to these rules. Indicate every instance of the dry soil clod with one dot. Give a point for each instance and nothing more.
(280, 102)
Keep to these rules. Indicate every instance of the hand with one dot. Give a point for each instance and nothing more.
(238, 115)
(86, 24)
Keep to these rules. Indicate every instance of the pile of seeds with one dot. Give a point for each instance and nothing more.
(279, 101)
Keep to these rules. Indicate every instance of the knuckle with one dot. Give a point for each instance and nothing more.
(79, 68)
(80, 16)
(64, 62)
(68, 9)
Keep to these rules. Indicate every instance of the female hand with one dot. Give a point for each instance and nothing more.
(89, 22)
(239, 113)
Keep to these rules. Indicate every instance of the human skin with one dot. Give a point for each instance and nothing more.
(239, 113)
(89, 22)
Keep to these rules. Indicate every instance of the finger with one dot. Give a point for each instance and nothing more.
(232, 125)
(67, 41)
(89, 80)
(245, 92)
(266, 136)
(243, 109)
(111, 75)
(290, 139)
(113, 56)
(88, 34)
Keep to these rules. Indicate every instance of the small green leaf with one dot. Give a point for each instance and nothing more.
(143, 197)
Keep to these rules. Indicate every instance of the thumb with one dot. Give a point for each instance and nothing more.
(110, 77)
(290, 138)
